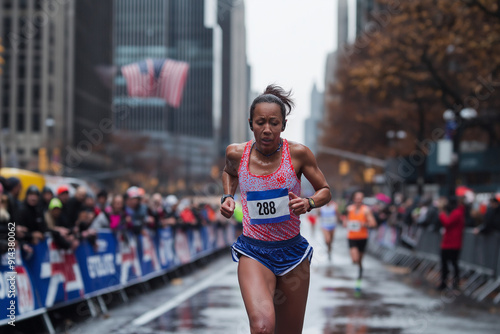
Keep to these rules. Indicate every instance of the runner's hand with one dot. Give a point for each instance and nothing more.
(227, 208)
(297, 204)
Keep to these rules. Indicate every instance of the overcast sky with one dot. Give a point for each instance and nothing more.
(287, 44)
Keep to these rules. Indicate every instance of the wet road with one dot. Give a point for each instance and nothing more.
(209, 301)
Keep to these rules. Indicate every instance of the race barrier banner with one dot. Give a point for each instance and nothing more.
(51, 277)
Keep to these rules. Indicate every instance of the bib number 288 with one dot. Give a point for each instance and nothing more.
(266, 208)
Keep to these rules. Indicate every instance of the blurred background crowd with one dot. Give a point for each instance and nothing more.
(70, 216)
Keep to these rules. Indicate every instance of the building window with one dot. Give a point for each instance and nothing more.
(21, 71)
(37, 70)
(51, 92)
(6, 98)
(34, 152)
(20, 151)
(20, 95)
(36, 95)
(5, 120)
(20, 121)
(35, 122)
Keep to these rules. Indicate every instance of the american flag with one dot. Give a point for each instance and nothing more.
(163, 78)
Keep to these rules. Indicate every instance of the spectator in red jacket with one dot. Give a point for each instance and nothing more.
(452, 218)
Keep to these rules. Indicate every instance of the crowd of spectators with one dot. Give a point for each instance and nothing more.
(419, 213)
(71, 219)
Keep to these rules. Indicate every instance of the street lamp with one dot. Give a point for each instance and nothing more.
(455, 124)
(392, 134)
(50, 123)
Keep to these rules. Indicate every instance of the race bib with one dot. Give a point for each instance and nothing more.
(269, 206)
(354, 225)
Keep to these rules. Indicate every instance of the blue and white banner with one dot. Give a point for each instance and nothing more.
(52, 276)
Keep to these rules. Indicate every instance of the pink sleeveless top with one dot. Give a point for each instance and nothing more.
(264, 199)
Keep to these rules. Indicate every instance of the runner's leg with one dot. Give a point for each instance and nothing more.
(291, 298)
(328, 240)
(257, 285)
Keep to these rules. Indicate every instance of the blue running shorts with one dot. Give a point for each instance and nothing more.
(280, 257)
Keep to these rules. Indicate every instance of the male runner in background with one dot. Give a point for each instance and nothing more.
(358, 219)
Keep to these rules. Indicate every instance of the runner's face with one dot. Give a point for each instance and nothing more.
(267, 124)
(358, 199)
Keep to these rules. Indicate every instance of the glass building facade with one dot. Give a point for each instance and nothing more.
(165, 29)
(175, 30)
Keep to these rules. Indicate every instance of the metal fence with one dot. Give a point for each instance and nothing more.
(419, 249)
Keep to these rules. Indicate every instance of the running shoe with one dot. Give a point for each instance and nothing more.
(357, 287)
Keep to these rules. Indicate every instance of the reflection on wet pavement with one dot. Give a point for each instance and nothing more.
(390, 301)
(191, 313)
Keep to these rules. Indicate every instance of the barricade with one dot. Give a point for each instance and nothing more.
(52, 277)
(479, 257)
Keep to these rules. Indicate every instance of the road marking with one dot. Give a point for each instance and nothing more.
(177, 300)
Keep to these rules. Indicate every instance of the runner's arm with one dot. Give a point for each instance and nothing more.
(314, 175)
(370, 219)
(230, 179)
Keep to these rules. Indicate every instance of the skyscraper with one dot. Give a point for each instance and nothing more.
(52, 92)
(184, 31)
(235, 73)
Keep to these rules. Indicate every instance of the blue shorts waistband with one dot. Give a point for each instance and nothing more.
(272, 244)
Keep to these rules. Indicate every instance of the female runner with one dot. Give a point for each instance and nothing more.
(274, 259)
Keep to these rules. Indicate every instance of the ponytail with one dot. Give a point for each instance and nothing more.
(275, 94)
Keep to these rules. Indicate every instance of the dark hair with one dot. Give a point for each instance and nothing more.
(102, 193)
(32, 190)
(275, 94)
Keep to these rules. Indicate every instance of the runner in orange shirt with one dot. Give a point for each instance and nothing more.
(358, 219)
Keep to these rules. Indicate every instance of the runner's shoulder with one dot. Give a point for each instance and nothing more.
(298, 150)
(235, 151)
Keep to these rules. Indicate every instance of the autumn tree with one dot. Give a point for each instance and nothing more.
(414, 60)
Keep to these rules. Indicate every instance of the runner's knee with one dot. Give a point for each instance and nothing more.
(262, 325)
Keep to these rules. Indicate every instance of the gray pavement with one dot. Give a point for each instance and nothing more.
(209, 301)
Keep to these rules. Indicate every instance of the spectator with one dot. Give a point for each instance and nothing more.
(83, 226)
(137, 210)
(491, 220)
(47, 196)
(113, 217)
(63, 196)
(4, 221)
(432, 216)
(3, 183)
(381, 213)
(187, 215)
(63, 237)
(171, 212)
(102, 201)
(31, 217)
(206, 214)
(157, 210)
(89, 204)
(76, 204)
(451, 244)
(13, 189)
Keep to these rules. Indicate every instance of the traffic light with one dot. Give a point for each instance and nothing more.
(343, 167)
(43, 160)
(368, 175)
(2, 61)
